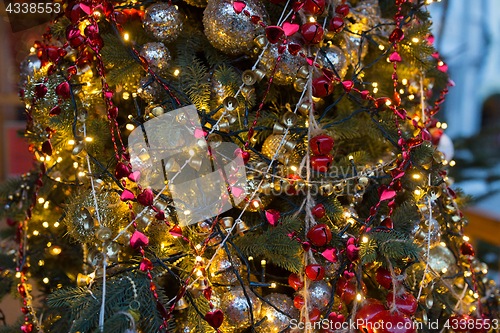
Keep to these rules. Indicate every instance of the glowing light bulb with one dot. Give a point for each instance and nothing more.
(375, 90)
(401, 91)
(18, 275)
(41, 262)
(452, 163)
(177, 72)
(198, 259)
(130, 127)
(411, 97)
(191, 152)
(444, 125)
(250, 258)
(32, 49)
(75, 165)
(381, 47)
(46, 205)
(388, 102)
(126, 36)
(465, 238)
(126, 95)
(59, 159)
(365, 239)
(263, 262)
(45, 280)
(56, 224)
(351, 157)
(375, 84)
(312, 19)
(273, 285)
(404, 82)
(418, 192)
(358, 297)
(45, 224)
(415, 40)
(71, 142)
(35, 233)
(416, 176)
(88, 139)
(41, 200)
(293, 167)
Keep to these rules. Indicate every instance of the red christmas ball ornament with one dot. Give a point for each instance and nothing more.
(321, 163)
(315, 272)
(387, 322)
(320, 235)
(321, 144)
(466, 249)
(371, 307)
(384, 277)
(336, 24)
(314, 7)
(299, 301)
(349, 289)
(459, 323)
(318, 211)
(312, 33)
(322, 87)
(342, 10)
(295, 282)
(405, 303)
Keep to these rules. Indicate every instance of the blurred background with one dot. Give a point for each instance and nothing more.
(467, 35)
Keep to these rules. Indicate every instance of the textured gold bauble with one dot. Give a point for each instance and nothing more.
(236, 309)
(276, 321)
(271, 144)
(162, 22)
(229, 31)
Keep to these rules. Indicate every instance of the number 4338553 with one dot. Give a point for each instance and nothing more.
(33, 8)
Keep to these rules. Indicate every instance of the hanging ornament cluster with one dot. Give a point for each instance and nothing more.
(321, 146)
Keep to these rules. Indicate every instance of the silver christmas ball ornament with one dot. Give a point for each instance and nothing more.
(157, 56)
(276, 321)
(236, 309)
(163, 22)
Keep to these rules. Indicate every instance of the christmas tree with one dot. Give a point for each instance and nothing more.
(239, 166)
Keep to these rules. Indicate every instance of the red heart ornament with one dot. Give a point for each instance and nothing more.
(146, 197)
(146, 265)
(274, 33)
(55, 111)
(397, 35)
(387, 194)
(138, 240)
(290, 28)
(395, 57)
(176, 231)
(273, 216)
(40, 90)
(127, 195)
(121, 170)
(239, 6)
(294, 48)
(330, 254)
(347, 85)
(135, 176)
(215, 318)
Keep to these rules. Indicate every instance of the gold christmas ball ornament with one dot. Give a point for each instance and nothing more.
(163, 22)
(157, 56)
(333, 55)
(236, 309)
(275, 321)
(221, 269)
(271, 144)
(441, 258)
(229, 31)
(288, 65)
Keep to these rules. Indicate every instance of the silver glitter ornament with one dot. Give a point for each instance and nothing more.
(221, 269)
(320, 293)
(237, 310)
(28, 67)
(276, 321)
(288, 65)
(336, 57)
(149, 92)
(229, 31)
(157, 56)
(163, 22)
